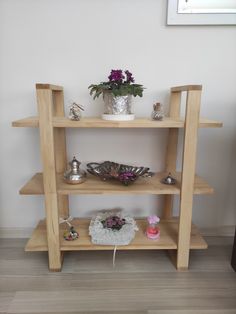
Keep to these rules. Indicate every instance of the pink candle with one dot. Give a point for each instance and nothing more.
(153, 232)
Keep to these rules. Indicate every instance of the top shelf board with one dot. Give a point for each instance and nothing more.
(63, 122)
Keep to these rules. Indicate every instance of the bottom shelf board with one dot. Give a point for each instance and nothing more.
(168, 239)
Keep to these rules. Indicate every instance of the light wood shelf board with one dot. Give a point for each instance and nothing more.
(63, 122)
(186, 88)
(100, 123)
(32, 122)
(167, 241)
(206, 123)
(94, 185)
(49, 86)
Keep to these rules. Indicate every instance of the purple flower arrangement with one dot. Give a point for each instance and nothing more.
(113, 222)
(118, 77)
(121, 83)
(127, 177)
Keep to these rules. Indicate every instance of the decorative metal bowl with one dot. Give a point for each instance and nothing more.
(123, 173)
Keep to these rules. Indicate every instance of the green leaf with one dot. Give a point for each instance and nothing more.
(116, 88)
(97, 94)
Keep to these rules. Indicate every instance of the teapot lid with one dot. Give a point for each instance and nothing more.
(75, 163)
(169, 180)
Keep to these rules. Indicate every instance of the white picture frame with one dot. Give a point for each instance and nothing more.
(201, 12)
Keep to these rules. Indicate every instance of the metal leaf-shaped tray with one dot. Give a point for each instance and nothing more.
(123, 173)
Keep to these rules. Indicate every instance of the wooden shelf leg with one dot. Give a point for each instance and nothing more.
(45, 109)
(168, 207)
(60, 149)
(171, 153)
(188, 174)
(55, 256)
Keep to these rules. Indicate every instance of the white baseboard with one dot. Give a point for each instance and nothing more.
(221, 231)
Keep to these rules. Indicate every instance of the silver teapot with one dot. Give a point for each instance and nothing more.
(74, 175)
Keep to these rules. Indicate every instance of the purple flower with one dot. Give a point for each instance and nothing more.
(129, 77)
(116, 76)
(153, 219)
(126, 177)
(113, 222)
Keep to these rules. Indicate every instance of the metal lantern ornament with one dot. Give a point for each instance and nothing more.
(158, 112)
(75, 113)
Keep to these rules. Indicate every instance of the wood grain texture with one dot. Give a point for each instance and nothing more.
(32, 122)
(136, 123)
(45, 109)
(188, 174)
(198, 311)
(48, 86)
(233, 258)
(186, 88)
(141, 282)
(94, 185)
(136, 299)
(168, 239)
(60, 149)
(171, 151)
(167, 211)
(61, 122)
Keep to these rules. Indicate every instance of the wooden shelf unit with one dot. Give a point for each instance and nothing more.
(176, 234)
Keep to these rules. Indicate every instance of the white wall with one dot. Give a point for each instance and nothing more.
(76, 42)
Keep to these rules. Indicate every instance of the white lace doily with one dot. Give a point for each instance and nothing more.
(106, 236)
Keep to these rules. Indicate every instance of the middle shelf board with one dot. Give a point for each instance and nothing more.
(94, 185)
(168, 239)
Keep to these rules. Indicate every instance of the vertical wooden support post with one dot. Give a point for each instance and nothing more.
(188, 175)
(60, 149)
(45, 110)
(171, 153)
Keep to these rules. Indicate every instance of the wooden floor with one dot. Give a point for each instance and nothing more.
(143, 282)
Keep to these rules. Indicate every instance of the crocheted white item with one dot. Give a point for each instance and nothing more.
(106, 236)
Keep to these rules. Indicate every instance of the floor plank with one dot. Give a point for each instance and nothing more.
(198, 311)
(142, 282)
(5, 300)
(122, 299)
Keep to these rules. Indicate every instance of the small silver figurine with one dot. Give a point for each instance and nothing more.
(169, 180)
(75, 113)
(74, 175)
(157, 113)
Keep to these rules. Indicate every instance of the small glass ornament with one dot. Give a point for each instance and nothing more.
(75, 113)
(71, 234)
(74, 175)
(157, 113)
(169, 180)
(153, 232)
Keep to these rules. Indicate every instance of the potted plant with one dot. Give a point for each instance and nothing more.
(117, 94)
